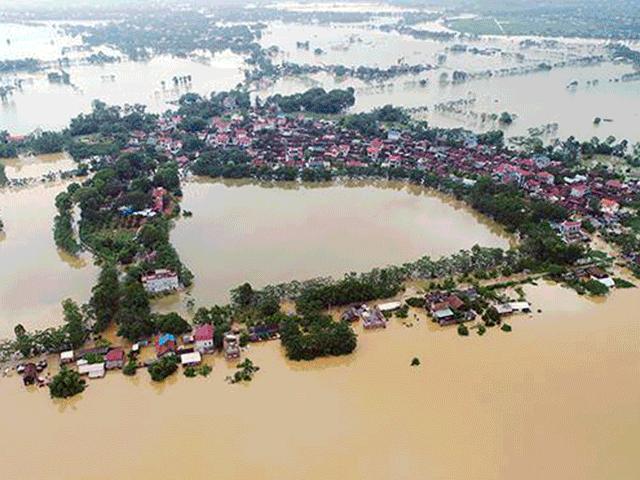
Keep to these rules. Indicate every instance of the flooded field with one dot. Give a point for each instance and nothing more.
(120, 84)
(31, 166)
(536, 99)
(544, 401)
(34, 276)
(268, 234)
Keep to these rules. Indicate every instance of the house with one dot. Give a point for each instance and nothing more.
(30, 374)
(231, 344)
(578, 191)
(204, 338)
(520, 307)
(504, 309)
(393, 135)
(373, 319)
(190, 359)
(601, 276)
(351, 315)
(161, 280)
(158, 199)
(444, 316)
(609, 207)
(165, 345)
(114, 359)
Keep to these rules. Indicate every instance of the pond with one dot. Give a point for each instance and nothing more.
(267, 234)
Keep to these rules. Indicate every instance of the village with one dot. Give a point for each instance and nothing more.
(262, 142)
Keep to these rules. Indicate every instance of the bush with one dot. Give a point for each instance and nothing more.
(416, 302)
(205, 370)
(415, 362)
(622, 283)
(66, 383)
(463, 331)
(190, 372)
(94, 358)
(130, 368)
(162, 368)
(505, 327)
(482, 330)
(596, 288)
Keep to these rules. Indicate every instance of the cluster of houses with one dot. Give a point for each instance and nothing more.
(190, 348)
(94, 362)
(450, 307)
(274, 139)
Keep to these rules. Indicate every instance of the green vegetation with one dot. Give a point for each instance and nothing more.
(245, 372)
(202, 370)
(161, 369)
(171, 323)
(463, 331)
(622, 283)
(66, 383)
(315, 100)
(415, 362)
(134, 315)
(3, 176)
(63, 233)
(505, 327)
(105, 297)
(351, 289)
(316, 335)
(595, 288)
(130, 368)
(94, 358)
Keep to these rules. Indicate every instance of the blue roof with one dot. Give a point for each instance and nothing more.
(165, 338)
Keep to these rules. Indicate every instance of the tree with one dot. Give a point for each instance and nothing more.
(163, 368)
(242, 296)
(3, 176)
(74, 323)
(105, 298)
(171, 323)
(134, 316)
(66, 383)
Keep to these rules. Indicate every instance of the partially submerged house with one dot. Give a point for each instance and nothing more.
(114, 359)
(161, 281)
(204, 338)
(231, 345)
(373, 318)
(30, 374)
(165, 345)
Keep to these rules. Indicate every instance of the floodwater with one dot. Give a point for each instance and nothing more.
(34, 275)
(556, 398)
(118, 84)
(536, 99)
(32, 166)
(265, 234)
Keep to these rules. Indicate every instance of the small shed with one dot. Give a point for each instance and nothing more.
(389, 306)
(94, 370)
(67, 357)
(190, 359)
